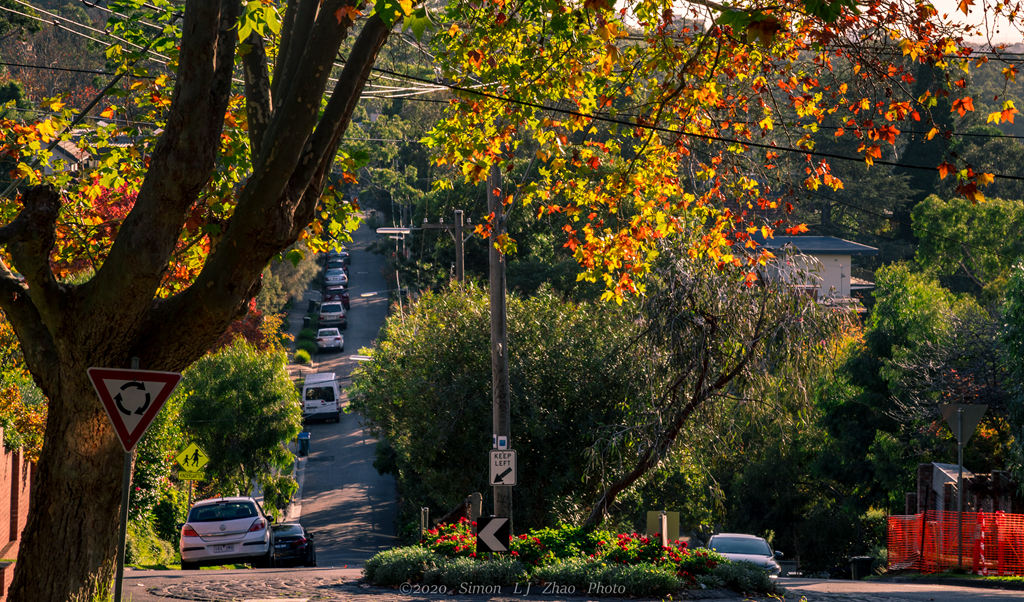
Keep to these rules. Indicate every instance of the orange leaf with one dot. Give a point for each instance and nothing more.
(797, 229)
(963, 105)
(944, 169)
(964, 5)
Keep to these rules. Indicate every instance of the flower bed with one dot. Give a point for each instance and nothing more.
(595, 561)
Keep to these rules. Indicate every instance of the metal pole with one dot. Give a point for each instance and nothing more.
(960, 487)
(460, 262)
(126, 487)
(501, 414)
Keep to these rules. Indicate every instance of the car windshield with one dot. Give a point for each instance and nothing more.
(335, 272)
(330, 308)
(327, 332)
(222, 511)
(287, 530)
(740, 545)
(324, 393)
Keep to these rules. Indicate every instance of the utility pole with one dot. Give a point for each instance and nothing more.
(501, 411)
(457, 230)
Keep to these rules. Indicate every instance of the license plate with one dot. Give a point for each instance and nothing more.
(222, 549)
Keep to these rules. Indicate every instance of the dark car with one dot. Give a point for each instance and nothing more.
(293, 545)
(740, 547)
(337, 292)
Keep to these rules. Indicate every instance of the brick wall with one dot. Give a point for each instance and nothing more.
(15, 478)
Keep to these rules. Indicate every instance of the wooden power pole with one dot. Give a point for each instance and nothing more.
(501, 413)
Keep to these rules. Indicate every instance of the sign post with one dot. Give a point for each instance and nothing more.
(962, 419)
(132, 399)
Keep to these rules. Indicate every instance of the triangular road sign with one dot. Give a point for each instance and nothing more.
(972, 413)
(132, 398)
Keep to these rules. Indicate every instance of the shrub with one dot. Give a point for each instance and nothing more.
(589, 576)
(302, 357)
(400, 565)
(452, 540)
(744, 577)
(698, 562)
(307, 346)
(453, 572)
(631, 548)
(307, 334)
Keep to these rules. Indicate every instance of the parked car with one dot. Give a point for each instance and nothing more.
(333, 264)
(226, 530)
(320, 396)
(740, 547)
(335, 276)
(293, 545)
(333, 314)
(337, 292)
(330, 338)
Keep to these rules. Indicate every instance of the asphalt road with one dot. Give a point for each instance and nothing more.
(349, 506)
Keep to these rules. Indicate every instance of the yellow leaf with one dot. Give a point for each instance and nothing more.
(56, 105)
(406, 6)
(932, 132)
(994, 117)
(984, 179)
(766, 124)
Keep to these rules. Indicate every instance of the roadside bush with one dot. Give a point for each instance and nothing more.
(302, 356)
(144, 548)
(307, 346)
(451, 540)
(307, 334)
(744, 577)
(453, 572)
(588, 576)
(400, 565)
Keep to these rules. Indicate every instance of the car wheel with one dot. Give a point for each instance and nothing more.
(337, 417)
(311, 559)
(189, 566)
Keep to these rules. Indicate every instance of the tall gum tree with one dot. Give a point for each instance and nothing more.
(296, 117)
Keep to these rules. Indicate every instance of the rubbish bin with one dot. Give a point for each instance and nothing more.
(312, 306)
(860, 566)
(304, 443)
(307, 321)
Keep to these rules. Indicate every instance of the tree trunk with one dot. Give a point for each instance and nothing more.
(76, 497)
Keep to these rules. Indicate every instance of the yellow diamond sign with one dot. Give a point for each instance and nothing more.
(192, 458)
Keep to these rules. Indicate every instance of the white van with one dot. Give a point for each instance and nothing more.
(320, 397)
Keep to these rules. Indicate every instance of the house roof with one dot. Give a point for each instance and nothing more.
(819, 245)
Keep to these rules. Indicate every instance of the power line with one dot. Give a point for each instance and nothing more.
(70, 70)
(436, 86)
(667, 130)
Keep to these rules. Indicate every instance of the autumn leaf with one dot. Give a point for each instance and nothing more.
(963, 105)
(984, 179)
(351, 12)
(945, 168)
(964, 5)
(797, 229)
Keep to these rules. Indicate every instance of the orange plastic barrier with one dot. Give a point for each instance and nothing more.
(991, 543)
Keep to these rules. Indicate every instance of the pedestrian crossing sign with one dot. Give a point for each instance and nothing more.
(192, 458)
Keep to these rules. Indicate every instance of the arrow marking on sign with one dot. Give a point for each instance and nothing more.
(488, 538)
(501, 477)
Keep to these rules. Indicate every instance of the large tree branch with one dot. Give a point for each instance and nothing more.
(179, 167)
(276, 204)
(258, 101)
(30, 239)
(298, 22)
(36, 342)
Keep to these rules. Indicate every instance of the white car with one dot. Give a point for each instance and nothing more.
(335, 276)
(333, 314)
(739, 547)
(226, 530)
(330, 338)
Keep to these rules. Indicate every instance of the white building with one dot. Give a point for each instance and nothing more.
(820, 264)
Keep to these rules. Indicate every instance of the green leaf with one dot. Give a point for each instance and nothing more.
(417, 23)
(294, 256)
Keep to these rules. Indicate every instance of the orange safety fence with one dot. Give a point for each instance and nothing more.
(992, 542)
